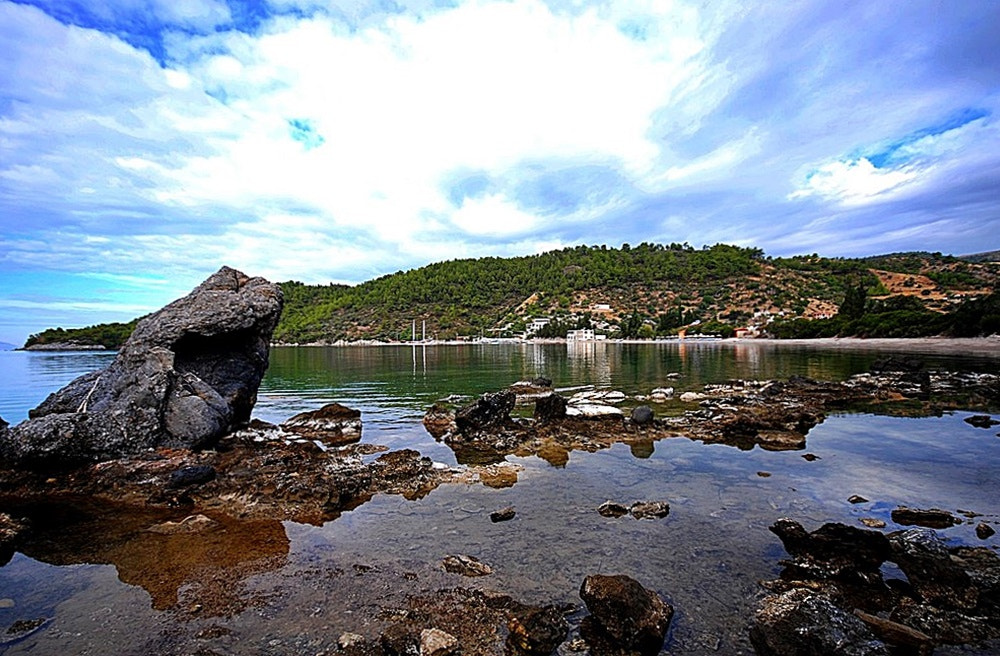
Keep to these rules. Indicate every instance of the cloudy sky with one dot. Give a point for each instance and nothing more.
(144, 143)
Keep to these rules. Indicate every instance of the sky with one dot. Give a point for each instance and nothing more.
(146, 143)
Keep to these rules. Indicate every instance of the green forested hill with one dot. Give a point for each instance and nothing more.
(633, 291)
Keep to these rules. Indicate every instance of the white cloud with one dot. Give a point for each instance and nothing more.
(854, 182)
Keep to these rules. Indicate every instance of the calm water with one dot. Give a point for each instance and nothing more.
(104, 585)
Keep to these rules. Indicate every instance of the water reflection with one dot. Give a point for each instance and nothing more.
(207, 564)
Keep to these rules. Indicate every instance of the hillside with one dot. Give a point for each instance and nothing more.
(645, 290)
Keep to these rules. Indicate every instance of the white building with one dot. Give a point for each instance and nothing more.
(581, 335)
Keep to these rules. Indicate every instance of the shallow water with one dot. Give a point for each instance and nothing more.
(108, 586)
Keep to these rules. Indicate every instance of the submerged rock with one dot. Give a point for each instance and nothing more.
(931, 518)
(623, 614)
(536, 631)
(982, 421)
(188, 375)
(802, 623)
(333, 424)
(650, 509)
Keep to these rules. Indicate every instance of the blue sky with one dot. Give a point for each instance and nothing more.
(145, 143)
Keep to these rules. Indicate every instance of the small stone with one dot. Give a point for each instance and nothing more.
(435, 642)
(810, 457)
(856, 498)
(871, 522)
(193, 475)
(466, 566)
(7, 603)
(764, 474)
(691, 397)
(347, 640)
(502, 515)
(984, 531)
(642, 415)
(190, 524)
(612, 509)
(650, 509)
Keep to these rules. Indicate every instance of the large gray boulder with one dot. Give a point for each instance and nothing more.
(188, 375)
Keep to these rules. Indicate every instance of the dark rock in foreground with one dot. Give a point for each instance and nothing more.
(802, 623)
(187, 376)
(931, 518)
(624, 615)
(536, 631)
(10, 532)
(833, 549)
(489, 411)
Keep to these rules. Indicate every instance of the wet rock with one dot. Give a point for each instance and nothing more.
(930, 518)
(691, 397)
(466, 566)
(10, 532)
(612, 509)
(498, 476)
(333, 424)
(764, 474)
(550, 408)
(400, 640)
(190, 524)
(191, 475)
(945, 625)
(800, 622)
(21, 629)
(856, 498)
(642, 415)
(439, 420)
(832, 550)
(489, 411)
(592, 410)
(624, 614)
(188, 375)
(661, 394)
(536, 631)
(897, 634)
(435, 642)
(872, 522)
(984, 531)
(650, 509)
(982, 421)
(935, 576)
(503, 515)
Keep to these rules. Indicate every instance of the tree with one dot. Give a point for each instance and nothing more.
(853, 305)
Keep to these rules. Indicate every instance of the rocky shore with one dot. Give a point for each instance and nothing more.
(165, 433)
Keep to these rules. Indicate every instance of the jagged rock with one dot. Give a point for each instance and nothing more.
(982, 421)
(833, 549)
(650, 509)
(10, 533)
(333, 424)
(191, 475)
(642, 415)
(188, 375)
(536, 631)
(984, 531)
(856, 498)
(489, 411)
(466, 566)
(435, 642)
(935, 576)
(503, 515)
(400, 640)
(550, 408)
(930, 518)
(439, 420)
(800, 622)
(946, 626)
(624, 613)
